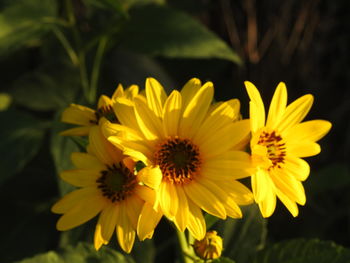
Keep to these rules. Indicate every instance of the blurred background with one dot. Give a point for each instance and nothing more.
(53, 51)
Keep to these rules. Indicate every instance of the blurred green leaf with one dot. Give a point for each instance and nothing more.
(83, 253)
(21, 136)
(144, 251)
(24, 20)
(244, 237)
(332, 177)
(5, 101)
(47, 88)
(61, 149)
(210, 220)
(222, 260)
(303, 250)
(160, 30)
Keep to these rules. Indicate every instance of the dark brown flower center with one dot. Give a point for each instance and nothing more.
(107, 112)
(178, 159)
(117, 182)
(275, 147)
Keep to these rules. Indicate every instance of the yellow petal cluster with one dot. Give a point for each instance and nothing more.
(151, 154)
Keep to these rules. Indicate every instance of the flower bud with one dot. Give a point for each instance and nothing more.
(210, 247)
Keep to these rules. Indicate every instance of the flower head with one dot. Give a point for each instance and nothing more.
(194, 145)
(86, 117)
(108, 186)
(210, 247)
(277, 146)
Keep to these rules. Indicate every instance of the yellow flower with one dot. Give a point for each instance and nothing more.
(194, 145)
(109, 186)
(277, 145)
(86, 117)
(210, 247)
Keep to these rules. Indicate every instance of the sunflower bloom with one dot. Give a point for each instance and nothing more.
(86, 117)
(194, 146)
(277, 147)
(109, 187)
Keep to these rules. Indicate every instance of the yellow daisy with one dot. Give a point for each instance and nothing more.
(108, 186)
(86, 117)
(194, 145)
(277, 146)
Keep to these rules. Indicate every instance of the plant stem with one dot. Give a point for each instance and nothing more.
(96, 68)
(185, 248)
(66, 45)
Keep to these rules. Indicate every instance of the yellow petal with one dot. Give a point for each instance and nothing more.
(295, 112)
(80, 115)
(155, 95)
(277, 106)
(148, 121)
(119, 92)
(239, 192)
(189, 90)
(150, 176)
(223, 115)
(256, 107)
(205, 199)
(131, 92)
(82, 212)
(106, 225)
(103, 102)
(196, 223)
(291, 205)
(103, 149)
(146, 193)
(181, 218)
(261, 185)
(171, 114)
(225, 139)
(303, 148)
(289, 186)
(134, 206)
(297, 167)
(124, 110)
(86, 161)
(308, 131)
(196, 110)
(268, 205)
(80, 177)
(148, 220)
(72, 199)
(168, 199)
(78, 131)
(124, 230)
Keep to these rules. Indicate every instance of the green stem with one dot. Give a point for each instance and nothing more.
(66, 45)
(185, 248)
(84, 77)
(96, 67)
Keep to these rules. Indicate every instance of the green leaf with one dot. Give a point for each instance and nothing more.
(210, 220)
(304, 250)
(144, 251)
(5, 101)
(222, 260)
(83, 253)
(46, 89)
(21, 136)
(244, 237)
(61, 150)
(24, 20)
(160, 30)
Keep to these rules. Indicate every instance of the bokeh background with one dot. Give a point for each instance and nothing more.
(302, 43)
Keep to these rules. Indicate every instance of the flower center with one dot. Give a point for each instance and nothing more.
(178, 159)
(275, 148)
(117, 182)
(107, 112)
